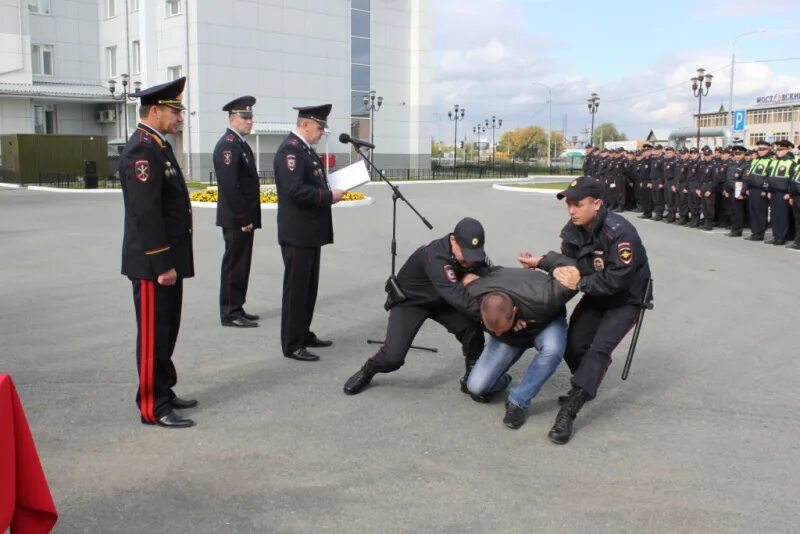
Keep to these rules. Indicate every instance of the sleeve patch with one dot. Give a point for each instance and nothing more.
(141, 168)
(291, 162)
(227, 157)
(625, 252)
(450, 274)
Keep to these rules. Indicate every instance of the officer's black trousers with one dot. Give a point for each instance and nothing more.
(683, 201)
(405, 322)
(300, 285)
(158, 319)
(592, 336)
(796, 212)
(737, 208)
(723, 208)
(780, 216)
(708, 204)
(658, 198)
(647, 199)
(671, 199)
(694, 202)
(758, 205)
(235, 272)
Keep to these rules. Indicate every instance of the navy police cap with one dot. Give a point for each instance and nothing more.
(166, 94)
(242, 106)
(581, 188)
(470, 237)
(316, 113)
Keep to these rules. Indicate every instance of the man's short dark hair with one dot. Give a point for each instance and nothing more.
(144, 111)
(496, 308)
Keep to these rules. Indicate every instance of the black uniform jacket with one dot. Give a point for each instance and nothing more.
(239, 201)
(611, 259)
(304, 198)
(431, 276)
(735, 172)
(158, 214)
(539, 297)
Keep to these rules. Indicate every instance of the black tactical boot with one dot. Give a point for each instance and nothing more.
(515, 416)
(562, 428)
(658, 216)
(562, 399)
(356, 383)
(682, 221)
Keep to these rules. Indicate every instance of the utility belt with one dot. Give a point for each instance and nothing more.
(394, 293)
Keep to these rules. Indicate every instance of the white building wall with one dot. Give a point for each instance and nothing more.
(15, 43)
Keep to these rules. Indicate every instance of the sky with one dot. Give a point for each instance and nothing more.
(498, 58)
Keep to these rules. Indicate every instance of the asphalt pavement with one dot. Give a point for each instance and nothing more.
(703, 436)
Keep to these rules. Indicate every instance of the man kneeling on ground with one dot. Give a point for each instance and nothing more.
(520, 309)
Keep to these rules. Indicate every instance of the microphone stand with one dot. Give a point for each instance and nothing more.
(396, 194)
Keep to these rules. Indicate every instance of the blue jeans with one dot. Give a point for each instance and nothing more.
(489, 374)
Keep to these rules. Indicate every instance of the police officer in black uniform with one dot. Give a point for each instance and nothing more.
(612, 273)
(757, 189)
(706, 171)
(645, 187)
(781, 173)
(657, 182)
(238, 210)
(670, 172)
(157, 249)
(304, 226)
(430, 288)
(733, 190)
(682, 187)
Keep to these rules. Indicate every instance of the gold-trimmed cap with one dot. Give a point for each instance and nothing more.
(166, 94)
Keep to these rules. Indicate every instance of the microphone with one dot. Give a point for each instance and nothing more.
(344, 138)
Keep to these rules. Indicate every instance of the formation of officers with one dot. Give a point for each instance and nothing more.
(732, 188)
(157, 242)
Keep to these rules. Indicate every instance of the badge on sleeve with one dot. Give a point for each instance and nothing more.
(227, 157)
(450, 274)
(625, 252)
(291, 162)
(141, 168)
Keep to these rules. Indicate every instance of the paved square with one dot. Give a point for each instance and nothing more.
(703, 437)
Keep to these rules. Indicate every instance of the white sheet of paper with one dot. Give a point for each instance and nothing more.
(349, 177)
(737, 189)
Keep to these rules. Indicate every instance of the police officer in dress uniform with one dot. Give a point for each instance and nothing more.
(238, 211)
(670, 167)
(705, 193)
(645, 188)
(734, 183)
(612, 274)
(157, 249)
(304, 226)
(657, 182)
(757, 188)
(682, 187)
(782, 171)
(430, 288)
(794, 201)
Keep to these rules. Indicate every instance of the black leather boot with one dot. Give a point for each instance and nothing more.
(356, 383)
(562, 428)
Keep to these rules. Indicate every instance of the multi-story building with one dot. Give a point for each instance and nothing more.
(57, 57)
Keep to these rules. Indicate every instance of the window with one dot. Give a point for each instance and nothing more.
(39, 7)
(136, 57)
(357, 107)
(781, 136)
(359, 21)
(134, 5)
(111, 60)
(359, 78)
(359, 50)
(111, 8)
(361, 4)
(756, 137)
(173, 73)
(44, 119)
(42, 59)
(173, 7)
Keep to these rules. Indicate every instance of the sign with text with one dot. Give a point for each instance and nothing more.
(778, 98)
(738, 120)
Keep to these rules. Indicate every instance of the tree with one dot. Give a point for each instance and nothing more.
(607, 132)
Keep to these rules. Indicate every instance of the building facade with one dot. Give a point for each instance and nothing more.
(57, 57)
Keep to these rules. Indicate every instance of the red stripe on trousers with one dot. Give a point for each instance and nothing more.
(146, 293)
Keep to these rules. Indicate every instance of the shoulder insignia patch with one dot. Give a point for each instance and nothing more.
(625, 252)
(450, 274)
(141, 169)
(227, 157)
(144, 137)
(291, 162)
(229, 137)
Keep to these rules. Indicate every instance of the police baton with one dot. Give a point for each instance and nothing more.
(647, 304)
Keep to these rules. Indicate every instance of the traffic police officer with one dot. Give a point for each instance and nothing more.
(430, 288)
(757, 188)
(782, 171)
(304, 226)
(157, 249)
(238, 210)
(613, 274)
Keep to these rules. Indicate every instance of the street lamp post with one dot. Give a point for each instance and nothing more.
(494, 125)
(373, 103)
(455, 115)
(593, 103)
(549, 119)
(123, 96)
(733, 62)
(697, 89)
(478, 130)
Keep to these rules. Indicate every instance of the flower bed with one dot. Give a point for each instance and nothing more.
(267, 197)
